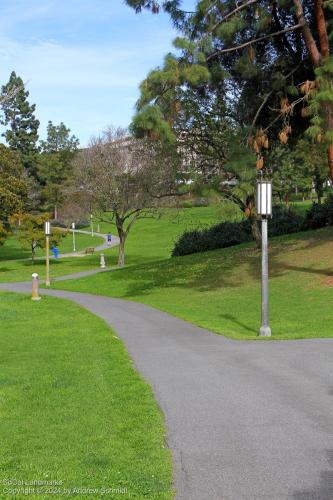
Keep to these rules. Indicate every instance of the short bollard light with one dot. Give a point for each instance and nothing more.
(35, 287)
(102, 261)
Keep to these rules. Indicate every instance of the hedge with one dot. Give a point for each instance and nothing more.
(284, 221)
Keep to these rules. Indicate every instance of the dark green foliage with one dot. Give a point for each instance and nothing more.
(13, 188)
(284, 221)
(22, 134)
(320, 215)
(177, 15)
(219, 236)
(59, 139)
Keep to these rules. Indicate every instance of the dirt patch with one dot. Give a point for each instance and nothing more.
(327, 281)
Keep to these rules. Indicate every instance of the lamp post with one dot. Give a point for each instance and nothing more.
(47, 229)
(264, 210)
(73, 231)
(92, 224)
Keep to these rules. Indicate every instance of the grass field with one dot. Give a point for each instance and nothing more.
(72, 407)
(149, 239)
(152, 239)
(220, 290)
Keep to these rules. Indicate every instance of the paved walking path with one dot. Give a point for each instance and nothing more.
(246, 420)
(104, 246)
(81, 253)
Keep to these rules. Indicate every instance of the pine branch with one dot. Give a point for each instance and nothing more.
(255, 40)
(230, 14)
(268, 96)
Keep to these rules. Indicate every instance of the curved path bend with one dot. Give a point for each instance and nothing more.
(245, 420)
(99, 248)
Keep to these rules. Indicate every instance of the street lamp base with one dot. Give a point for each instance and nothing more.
(265, 331)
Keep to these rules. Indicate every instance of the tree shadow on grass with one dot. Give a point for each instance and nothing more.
(232, 318)
(5, 269)
(201, 272)
(230, 268)
(305, 246)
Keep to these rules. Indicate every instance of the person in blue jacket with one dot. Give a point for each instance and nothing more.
(55, 251)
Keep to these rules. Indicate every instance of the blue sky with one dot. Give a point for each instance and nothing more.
(82, 60)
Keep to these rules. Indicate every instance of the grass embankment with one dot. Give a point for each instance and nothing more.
(73, 409)
(220, 290)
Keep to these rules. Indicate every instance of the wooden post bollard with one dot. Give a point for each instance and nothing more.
(35, 287)
(102, 261)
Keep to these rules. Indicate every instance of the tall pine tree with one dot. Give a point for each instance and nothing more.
(18, 114)
(54, 165)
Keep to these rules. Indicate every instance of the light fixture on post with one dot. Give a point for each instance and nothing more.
(73, 231)
(47, 229)
(264, 210)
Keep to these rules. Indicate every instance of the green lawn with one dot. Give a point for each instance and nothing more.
(220, 290)
(12, 249)
(149, 239)
(72, 407)
(301, 206)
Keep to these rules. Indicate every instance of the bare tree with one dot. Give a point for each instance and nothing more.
(125, 179)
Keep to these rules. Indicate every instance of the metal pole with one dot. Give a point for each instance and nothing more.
(265, 330)
(47, 281)
(74, 249)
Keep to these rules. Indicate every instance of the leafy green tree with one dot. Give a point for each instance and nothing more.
(59, 139)
(239, 182)
(54, 165)
(30, 231)
(288, 176)
(13, 188)
(310, 159)
(22, 134)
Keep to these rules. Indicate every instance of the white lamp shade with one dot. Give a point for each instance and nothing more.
(264, 198)
(47, 228)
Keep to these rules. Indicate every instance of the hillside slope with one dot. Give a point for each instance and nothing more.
(220, 290)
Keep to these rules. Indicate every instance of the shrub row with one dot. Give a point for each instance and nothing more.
(284, 221)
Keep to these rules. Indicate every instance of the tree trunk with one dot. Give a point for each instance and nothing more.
(322, 29)
(55, 212)
(286, 199)
(33, 252)
(308, 38)
(255, 231)
(121, 251)
(330, 160)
